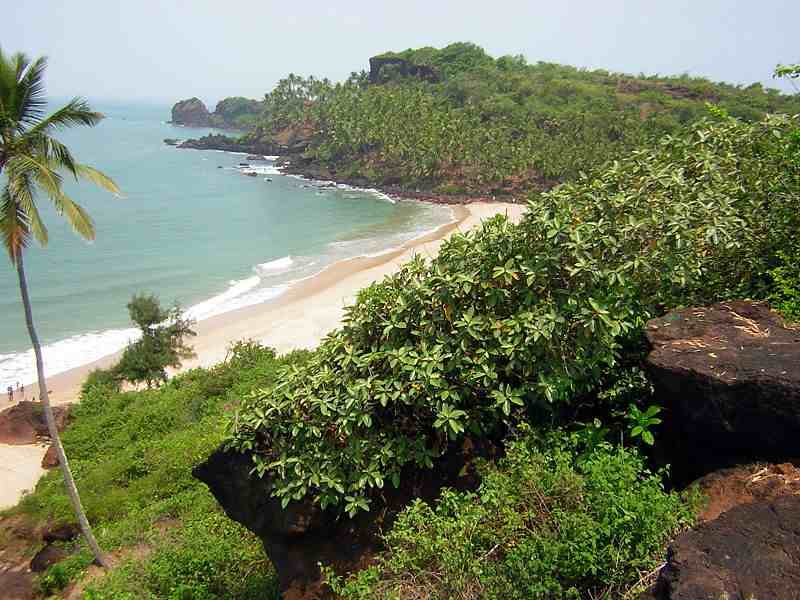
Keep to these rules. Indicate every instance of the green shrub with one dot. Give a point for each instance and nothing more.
(208, 557)
(547, 522)
(102, 381)
(132, 454)
(522, 321)
(785, 294)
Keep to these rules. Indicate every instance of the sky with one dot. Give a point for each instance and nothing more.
(172, 49)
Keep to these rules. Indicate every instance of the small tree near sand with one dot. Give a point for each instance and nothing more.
(162, 343)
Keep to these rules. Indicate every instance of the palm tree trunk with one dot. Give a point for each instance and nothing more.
(69, 482)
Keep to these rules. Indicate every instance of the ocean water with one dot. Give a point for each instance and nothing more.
(192, 227)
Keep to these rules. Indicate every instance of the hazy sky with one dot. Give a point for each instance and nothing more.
(175, 49)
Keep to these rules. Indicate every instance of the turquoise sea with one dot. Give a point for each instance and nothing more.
(192, 228)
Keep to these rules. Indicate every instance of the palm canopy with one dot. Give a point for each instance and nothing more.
(32, 160)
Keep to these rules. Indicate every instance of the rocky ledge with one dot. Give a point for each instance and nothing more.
(191, 113)
(728, 376)
(301, 536)
(747, 544)
(24, 423)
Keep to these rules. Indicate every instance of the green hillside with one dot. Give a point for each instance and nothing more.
(458, 120)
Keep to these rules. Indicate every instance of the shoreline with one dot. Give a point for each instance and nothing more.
(299, 318)
(331, 289)
(30, 385)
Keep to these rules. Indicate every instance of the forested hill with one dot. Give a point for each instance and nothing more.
(456, 120)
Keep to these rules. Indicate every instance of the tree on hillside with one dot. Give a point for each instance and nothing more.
(790, 72)
(33, 161)
(162, 343)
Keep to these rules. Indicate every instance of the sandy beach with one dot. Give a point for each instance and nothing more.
(299, 318)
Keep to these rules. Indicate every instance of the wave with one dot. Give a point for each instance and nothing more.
(279, 264)
(64, 355)
(269, 280)
(259, 170)
(79, 350)
(212, 306)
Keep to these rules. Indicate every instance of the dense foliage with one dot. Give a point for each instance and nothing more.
(493, 126)
(132, 454)
(240, 113)
(161, 345)
(526, 319)
(552, 520)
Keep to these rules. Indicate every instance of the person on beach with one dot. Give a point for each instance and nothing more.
(10, 394)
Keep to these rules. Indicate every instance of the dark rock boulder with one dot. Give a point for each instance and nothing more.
(728, 376)
(191, 112)
(750, 551)
(24, 423)
(50, 458)
(62, 532)
(230, 144)
(47, 557)
(382, 68)
(302, 535)
(729, 488)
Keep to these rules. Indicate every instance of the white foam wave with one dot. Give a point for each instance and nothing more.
(212, 306)
(260, 170)
(64, 355)
(279, 264)
(83, 349)
(233, 301)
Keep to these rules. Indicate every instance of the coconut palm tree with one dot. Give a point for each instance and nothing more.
(32, 162)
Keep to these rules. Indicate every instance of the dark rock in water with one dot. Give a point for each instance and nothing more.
(50, 458)
(47, 557)
(24, 423)
(172, 141)
(729, 378)
(251, 174)
(216, 141)
(255, 157)
(751, 551)
(192, 113)
(302, 535)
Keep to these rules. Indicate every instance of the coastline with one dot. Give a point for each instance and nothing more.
(299, 318)
(316, 302)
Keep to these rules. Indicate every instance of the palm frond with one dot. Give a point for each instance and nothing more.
(8, 84)
(30, 102)
(49, 148)
(75, 112)
(77, 216)
(24, 170)
(98, 178)
(14, 226)
(23, 193)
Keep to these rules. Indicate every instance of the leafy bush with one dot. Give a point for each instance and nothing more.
(132, 454)
(785, 294)
(549, 521)
(525, 320)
